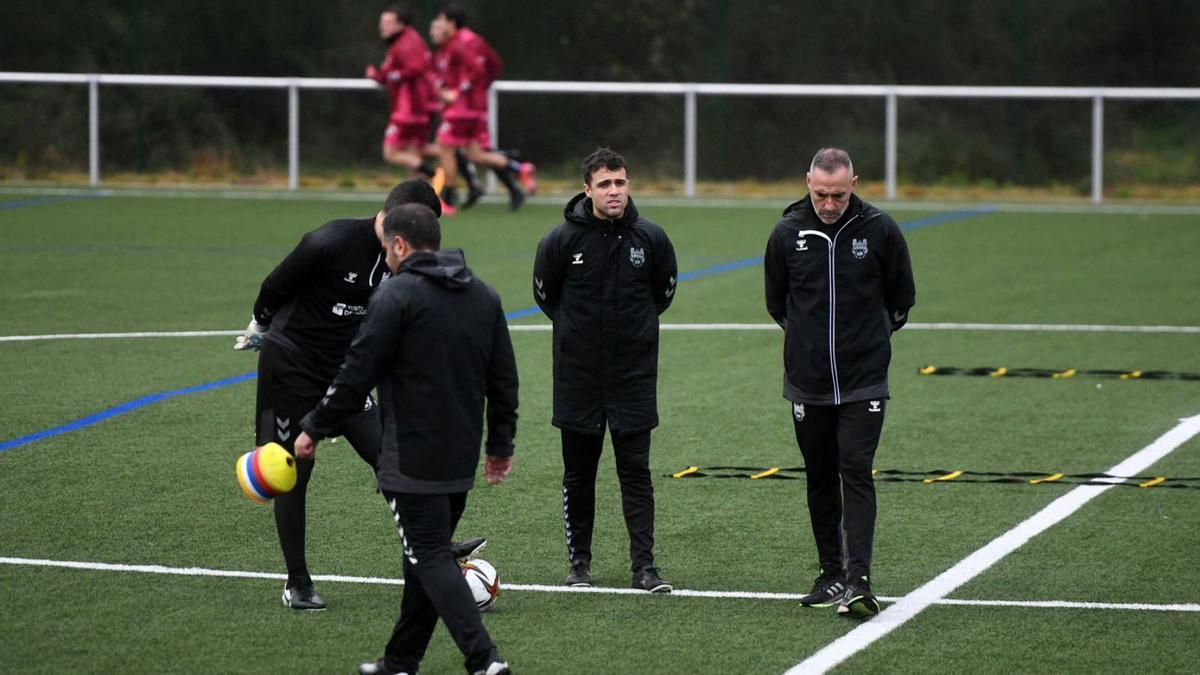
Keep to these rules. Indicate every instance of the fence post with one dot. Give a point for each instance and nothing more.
(293, 135)
(94, 129)
(889, 135)
(493, 130)
(689, 142)
(1098, 148)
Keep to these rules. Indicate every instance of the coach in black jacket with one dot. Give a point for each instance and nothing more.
(436, 342)
(839, 281)
(603, 276)
(307, 311)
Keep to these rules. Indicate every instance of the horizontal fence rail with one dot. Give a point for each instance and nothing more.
(891, 94)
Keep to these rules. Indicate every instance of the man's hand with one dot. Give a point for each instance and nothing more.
(372, 73)
(305, 446)
(252, 339)
(495, 469)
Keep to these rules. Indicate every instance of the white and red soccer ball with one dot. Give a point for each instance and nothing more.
(483, 581)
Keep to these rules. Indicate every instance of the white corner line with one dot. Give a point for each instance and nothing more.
(975, 564)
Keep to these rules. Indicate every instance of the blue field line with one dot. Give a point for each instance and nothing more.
(122, 409)
(757, 260)
(947, 217)
(42, 201)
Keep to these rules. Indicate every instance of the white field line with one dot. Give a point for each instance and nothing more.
(545, 327)
(541, 588)
(373, 197)
(975, 564)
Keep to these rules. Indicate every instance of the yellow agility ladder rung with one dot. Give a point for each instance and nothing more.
(1048, 479)
(950, 476)
(999, 372)
(769, 472)
(1153, 481)
(1131, 375)
(1069, 372)
(681, 474)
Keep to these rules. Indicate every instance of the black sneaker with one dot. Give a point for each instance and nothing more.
(516, 199)
(302, 597)
(495, 668)
(580, 576)
(858, 600)
(473, 195)
(647, 579)
(377, 667)
(827, 590)
(467, 549)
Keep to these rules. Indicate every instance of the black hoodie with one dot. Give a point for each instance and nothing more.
(435, 341)
(603, 284)
(839, 291)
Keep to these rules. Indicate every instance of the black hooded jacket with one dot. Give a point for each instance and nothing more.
(603, 284)
(436, 342)
(839, 291)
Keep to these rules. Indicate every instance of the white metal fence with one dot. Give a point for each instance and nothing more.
(891, 94)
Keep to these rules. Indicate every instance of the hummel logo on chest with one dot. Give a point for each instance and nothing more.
(350, 277)
(578, 259)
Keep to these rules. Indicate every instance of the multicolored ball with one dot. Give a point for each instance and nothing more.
(266, 472)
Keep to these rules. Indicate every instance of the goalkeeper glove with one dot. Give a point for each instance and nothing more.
(252, 339)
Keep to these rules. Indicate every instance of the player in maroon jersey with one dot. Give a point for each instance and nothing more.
(465, 66)
(406, 72)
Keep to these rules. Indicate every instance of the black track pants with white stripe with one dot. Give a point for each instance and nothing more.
(838, 443)
(581, 457)
(434, 586)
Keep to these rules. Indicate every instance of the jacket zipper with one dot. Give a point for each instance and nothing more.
(837, 386)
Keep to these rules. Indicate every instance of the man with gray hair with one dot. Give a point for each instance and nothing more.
(839, 281)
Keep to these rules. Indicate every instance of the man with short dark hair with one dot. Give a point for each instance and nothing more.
(435, 340)
(839, 281)
(465, 66)
(603, 276)
(307, 311)
(406, 73)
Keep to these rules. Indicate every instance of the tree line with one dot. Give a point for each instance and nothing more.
(929, 42)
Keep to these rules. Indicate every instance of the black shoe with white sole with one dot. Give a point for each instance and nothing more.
(580, 576)
(827, 590)
(302, 597)
(647, 579)
(378, 667)
(858, 600)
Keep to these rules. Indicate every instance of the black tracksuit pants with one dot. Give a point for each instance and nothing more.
(282, 402)
(581, 458)
(433, 584)
(838, 443)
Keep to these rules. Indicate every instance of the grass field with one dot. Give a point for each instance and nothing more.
(153, 485)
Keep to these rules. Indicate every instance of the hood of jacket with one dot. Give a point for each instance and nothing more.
(446, 268)
(579, 210)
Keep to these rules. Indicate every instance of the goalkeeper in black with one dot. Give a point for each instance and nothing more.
(308, 310)
(839, 281)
